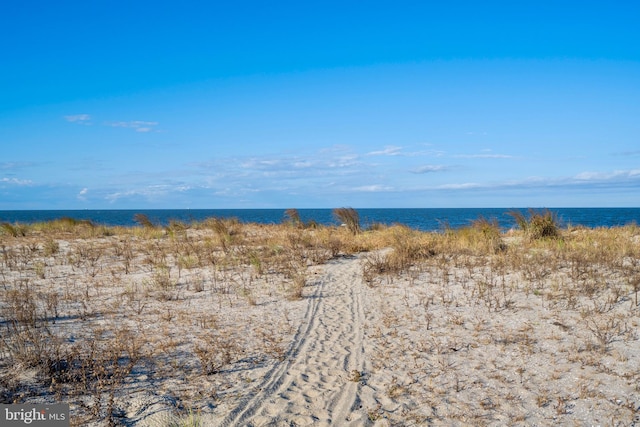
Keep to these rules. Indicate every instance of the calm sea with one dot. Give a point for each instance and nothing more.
(422, 219)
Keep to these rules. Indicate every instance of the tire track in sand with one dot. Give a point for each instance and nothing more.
(314, 385)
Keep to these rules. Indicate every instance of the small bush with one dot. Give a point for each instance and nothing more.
(225, 229)
(349, 217)
(215, 350)
(143, 220)
(408, 248)
(12, 230)
(69, 224)
(298, 281)
(538, 225)
(293, 217)
(483, 235)
(50, 247)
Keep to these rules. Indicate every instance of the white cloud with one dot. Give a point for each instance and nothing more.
(262, 164)
(16, 181)
(15, 165)
(302, 164)
(630, 153)
(343, 161)
(389, 150)
(584, 180)
(137, 125)
(484, 156)
(83, 193)
(394, 150)
(373, 188)
(463, 186)
(79, 118)
(432, 153)
(590, 176)
(148, 192)
(430, 168)
(607, 176)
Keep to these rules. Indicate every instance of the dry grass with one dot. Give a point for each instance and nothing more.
(86, 309)
(90, 314)
(510, 329)
(538, 224)
(349, 217)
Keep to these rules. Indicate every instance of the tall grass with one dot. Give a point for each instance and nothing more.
(143, 220)
(12, 230)
(482, 236)
(538, 224)
(594, 271)
(349, 217)
(293, 217)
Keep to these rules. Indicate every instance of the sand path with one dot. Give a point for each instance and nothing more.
(317, 383)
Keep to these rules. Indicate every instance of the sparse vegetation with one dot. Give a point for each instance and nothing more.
(143, 220)
(541, 293)
(87, 312)
(293, 217)
(538, 225)
(349, 217)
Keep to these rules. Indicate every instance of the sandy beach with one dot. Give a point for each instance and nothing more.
(227, 324)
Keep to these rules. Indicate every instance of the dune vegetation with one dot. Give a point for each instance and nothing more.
(184, 324)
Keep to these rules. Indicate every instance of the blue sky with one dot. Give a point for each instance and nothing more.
(112, 104)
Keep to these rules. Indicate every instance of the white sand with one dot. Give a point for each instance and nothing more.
(453, 341)
(313, 385)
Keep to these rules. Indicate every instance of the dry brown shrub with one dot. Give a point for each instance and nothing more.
(408, 247)
(349, 217)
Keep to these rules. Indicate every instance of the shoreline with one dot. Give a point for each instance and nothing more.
(423, 219)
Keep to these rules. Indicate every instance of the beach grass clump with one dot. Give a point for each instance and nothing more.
(191, 419)
(296, 287)
(482, 236)
(64, 225)
(177, 228)
(538, 225)
(228, 231)
(215, 350)
(13, 230)
(50, 247)
(349, 217)
(293, 217)
(69, 225)
(407, 248)
(143, 220)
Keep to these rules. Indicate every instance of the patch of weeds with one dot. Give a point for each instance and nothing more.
(296, 287)
(376, 413)
(538, 224)
(349, 217)
(355, 376)
(215, 351)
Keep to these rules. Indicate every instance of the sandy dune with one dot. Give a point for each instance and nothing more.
(318, 382)
(176, 331)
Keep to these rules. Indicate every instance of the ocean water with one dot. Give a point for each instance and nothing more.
(423, 219)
